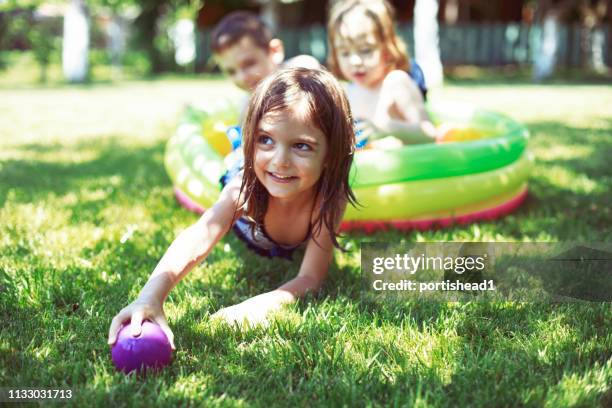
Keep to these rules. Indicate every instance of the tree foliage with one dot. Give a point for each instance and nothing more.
(22, 29)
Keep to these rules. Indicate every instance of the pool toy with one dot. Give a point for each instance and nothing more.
(478, 172)
(149, 351)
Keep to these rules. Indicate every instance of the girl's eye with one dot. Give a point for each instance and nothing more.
(366, 50)
(265, 140)
(303, 146)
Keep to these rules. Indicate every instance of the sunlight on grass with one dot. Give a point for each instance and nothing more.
(553, 337)
(562, 152)
(138, 219)
(190, 386)
(59, 155)
(566, 179)
(581, 389)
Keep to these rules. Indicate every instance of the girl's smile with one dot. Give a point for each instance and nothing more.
(279, 178)
(289, 153)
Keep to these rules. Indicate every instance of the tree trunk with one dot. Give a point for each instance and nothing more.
(598, 42)
(75, 47)
(427, 41)
(546, 54)
(116, 34)
(550, 16)
(270, 14)
(182, 34)
(593, 18)
(146, 31)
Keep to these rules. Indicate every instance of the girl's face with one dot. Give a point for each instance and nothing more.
(360, 55)
(289, 154)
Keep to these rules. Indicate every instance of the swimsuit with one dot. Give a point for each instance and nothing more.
(417, 75)
(258, 240)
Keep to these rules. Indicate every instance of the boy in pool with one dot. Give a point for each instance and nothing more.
(246, 51)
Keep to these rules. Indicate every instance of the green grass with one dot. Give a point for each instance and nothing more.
(86, 211)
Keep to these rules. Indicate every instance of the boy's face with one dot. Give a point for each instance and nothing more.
(247, 64)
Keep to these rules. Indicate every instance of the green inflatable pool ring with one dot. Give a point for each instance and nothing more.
(416, 186)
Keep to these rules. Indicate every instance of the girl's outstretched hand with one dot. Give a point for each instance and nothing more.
(136, 312)
(253, 311)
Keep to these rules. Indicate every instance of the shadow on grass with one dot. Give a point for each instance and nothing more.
(570, 194)
(116, 169)
(551, 134)
(528, 347)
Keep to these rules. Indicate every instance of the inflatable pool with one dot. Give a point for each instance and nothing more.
(418, 186)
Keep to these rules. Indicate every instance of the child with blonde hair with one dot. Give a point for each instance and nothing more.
(298, 149)
(366, 51)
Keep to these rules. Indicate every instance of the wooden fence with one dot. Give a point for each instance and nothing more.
(474, 44)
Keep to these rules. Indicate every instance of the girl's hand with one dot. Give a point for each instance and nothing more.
(137, 311)
(364, 129)
(441, 132)
(253, 311)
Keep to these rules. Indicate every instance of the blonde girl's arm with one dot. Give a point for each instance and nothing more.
(401, 110)
(188, 249)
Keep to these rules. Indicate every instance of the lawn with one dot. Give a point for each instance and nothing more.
(86, 210)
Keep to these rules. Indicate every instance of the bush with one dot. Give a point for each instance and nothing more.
(22, 30)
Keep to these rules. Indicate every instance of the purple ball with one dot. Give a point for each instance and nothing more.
(149, 351)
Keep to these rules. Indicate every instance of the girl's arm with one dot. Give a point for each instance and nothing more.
(401, 110)
(313, 269)
(189, 248)
(194, 244)
(312, 273)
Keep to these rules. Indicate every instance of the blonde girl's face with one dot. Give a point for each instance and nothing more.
(289, 154)
(360, 55)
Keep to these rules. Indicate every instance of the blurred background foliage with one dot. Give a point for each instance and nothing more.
(31, 31)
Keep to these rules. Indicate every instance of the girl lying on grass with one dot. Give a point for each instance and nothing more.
(366, 51)
(290, 190)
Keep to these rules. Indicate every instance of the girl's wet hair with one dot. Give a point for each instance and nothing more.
(382, 14)
(327, 108)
